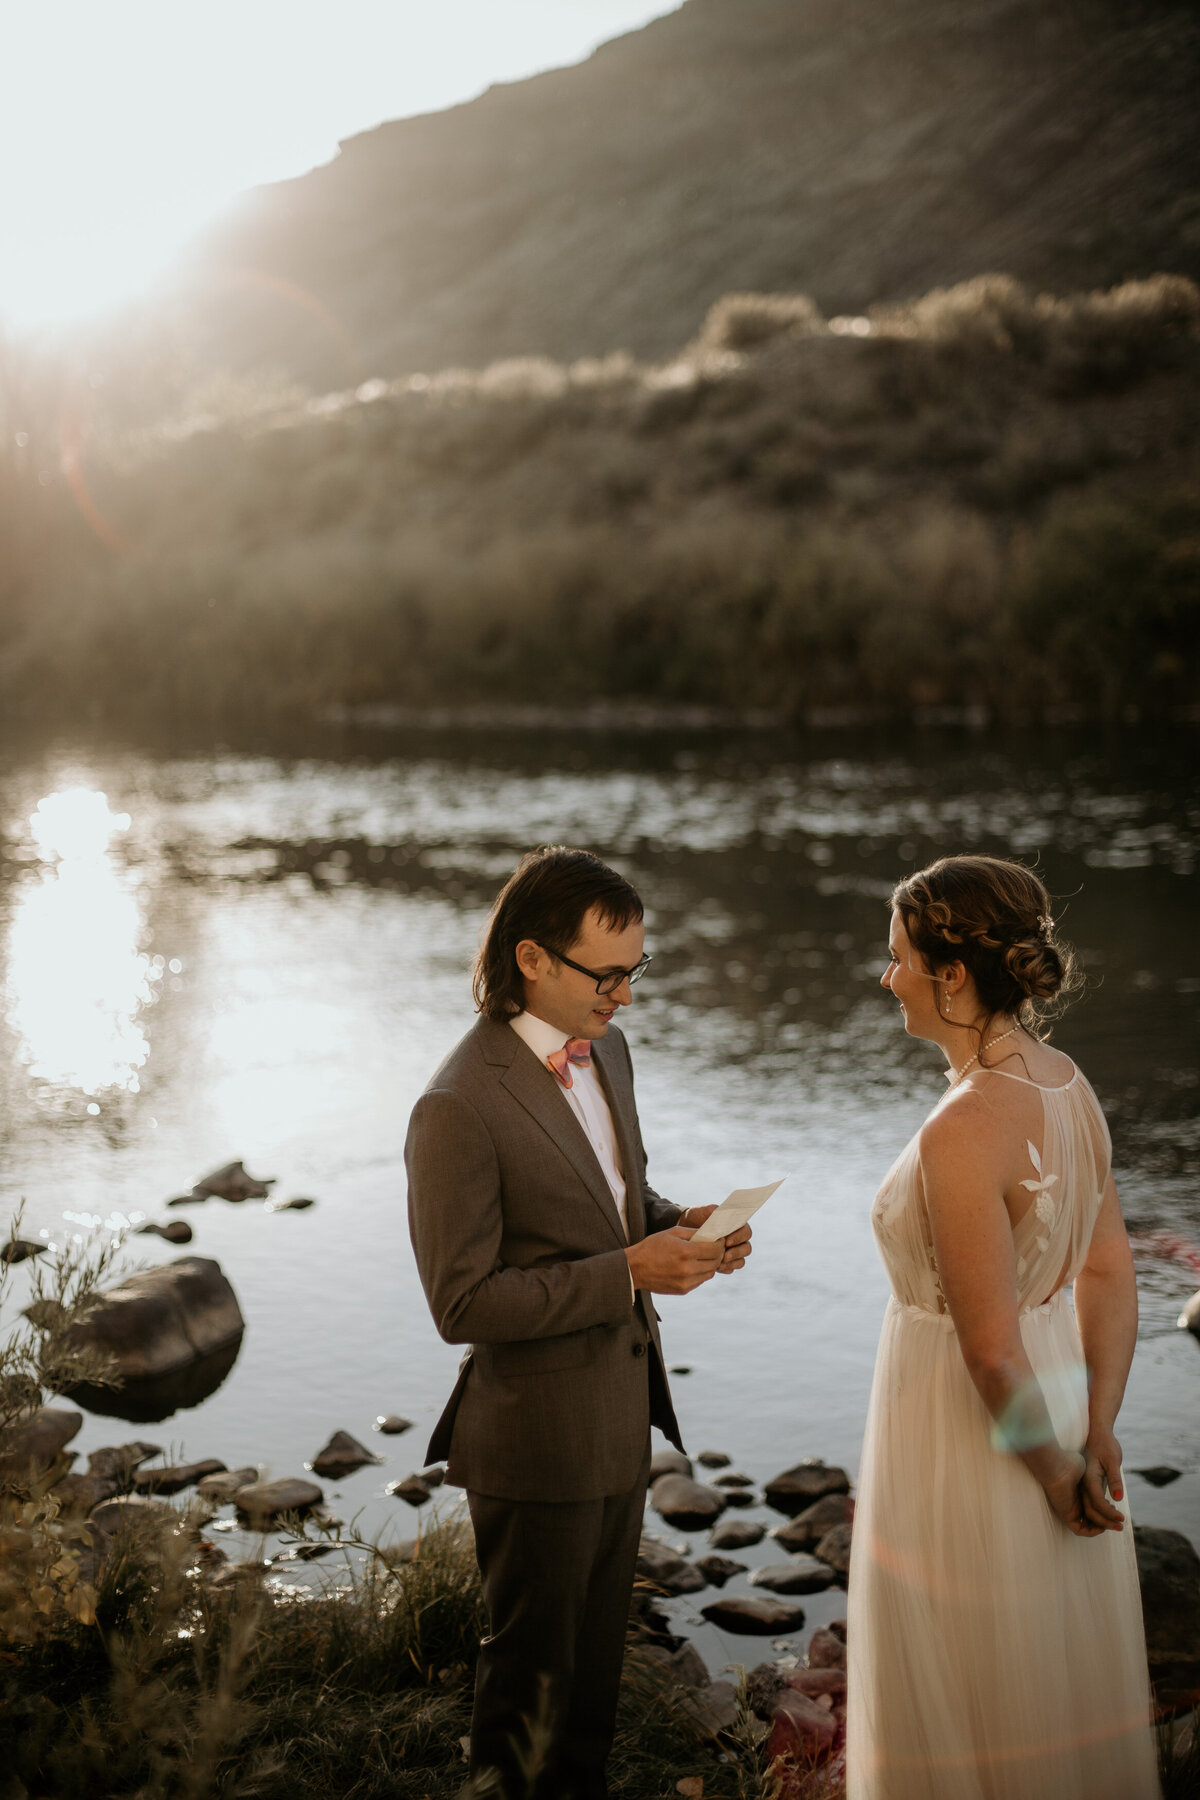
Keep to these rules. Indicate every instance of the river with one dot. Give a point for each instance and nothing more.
(263, 953)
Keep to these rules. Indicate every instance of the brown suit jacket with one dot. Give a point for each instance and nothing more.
(522, 1257)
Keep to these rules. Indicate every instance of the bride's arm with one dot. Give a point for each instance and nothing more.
(1107, 1310)
(963, 1167)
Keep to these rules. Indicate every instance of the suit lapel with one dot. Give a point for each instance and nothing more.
(534, 1088)
(614, 1078)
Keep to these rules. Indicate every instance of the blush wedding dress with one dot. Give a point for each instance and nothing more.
(992, 1654)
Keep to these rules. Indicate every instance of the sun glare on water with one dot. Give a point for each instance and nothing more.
(77, 980)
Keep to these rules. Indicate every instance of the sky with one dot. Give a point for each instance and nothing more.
(126, 125)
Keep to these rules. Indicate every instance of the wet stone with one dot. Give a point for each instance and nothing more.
(1159, 1476)
(834, 1548)
(342, 1455)
(754, 1618)
(714, 1459)
(806, 1530)
(686, 1503)
(801, 1575)
(732, 1481)
(174, 1479)
(20, 1250)
(667, 1570)
(262, 1501)
(718, 1569)
(434, 1476)
(826, 1650)
(176, 1231)
(798, 1487)
(669, 1462)
(736, 1534)
(392, 1424)
(412, 1489)
(738, 1496)
(221, 1487)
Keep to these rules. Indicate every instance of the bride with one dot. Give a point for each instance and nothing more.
(996, 1649)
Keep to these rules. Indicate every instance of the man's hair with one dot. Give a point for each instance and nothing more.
(546, 898)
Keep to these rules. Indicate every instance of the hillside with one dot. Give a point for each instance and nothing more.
(857, 150)
(984, 500)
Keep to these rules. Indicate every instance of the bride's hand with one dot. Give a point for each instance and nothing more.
(1102, 1455)
(1064, 1491)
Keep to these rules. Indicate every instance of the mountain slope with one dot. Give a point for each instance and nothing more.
(859, 151)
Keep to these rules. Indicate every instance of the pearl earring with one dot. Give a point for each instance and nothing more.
(947, 1006)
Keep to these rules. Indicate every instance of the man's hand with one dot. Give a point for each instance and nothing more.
(736, 1245)
(669, 1263)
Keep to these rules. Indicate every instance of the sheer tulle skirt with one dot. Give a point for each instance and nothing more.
(992, 1654)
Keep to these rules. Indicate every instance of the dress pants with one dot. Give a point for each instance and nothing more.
(557, 1580)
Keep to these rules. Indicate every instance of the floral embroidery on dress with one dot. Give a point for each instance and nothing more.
(1044, 1203)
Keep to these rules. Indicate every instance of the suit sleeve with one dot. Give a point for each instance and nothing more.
(660, 1214)
(456, 1222)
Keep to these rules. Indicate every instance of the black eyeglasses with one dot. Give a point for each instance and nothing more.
(605, 984)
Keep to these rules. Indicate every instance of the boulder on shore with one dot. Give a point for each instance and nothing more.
(1169, 1572)
(798, 1487)
(116, 1462)
(160, 1321)
(341, 1456)
(826, 1650)
(261, 1502)
(686, 1503)
(801, 1728)
(31, 1445)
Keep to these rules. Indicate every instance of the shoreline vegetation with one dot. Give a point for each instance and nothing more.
(138, 1663)
(981, 505)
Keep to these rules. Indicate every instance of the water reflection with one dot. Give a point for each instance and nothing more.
(77, 980)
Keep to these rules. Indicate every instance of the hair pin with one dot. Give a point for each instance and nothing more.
(1045, 925)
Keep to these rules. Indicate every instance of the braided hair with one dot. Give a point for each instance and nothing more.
(995, 918)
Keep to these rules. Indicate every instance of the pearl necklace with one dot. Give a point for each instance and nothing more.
(954, 1079)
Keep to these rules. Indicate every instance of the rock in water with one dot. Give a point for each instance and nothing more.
(263, 1501)
(299, 1203)
(669, 1462)
(797, 1488)
(412, 1489)
(685, 1503)
(161, 1320)
(30, 1445)
(834, 1548)
(176, 1231)
(732, 1481)
(716, 1570)
(736, 1534)
(20, 1249)
(220, 1488)
(754, 1618)
(1160, 1475)
(132, 1513)
(117, 1462)
(80, 1493)
(233, 1183)
(714, 1459)
(391, 1424)
(826, 1650)
(807, 1529)
(802, 1575)
(341, 1456)
(738, 1496)
(1189, 1318)
(174, 1480)
(667, 1570)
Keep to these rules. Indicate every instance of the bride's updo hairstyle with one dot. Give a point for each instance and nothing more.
(995, 918)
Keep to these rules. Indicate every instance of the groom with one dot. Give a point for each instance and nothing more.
(539, 1242)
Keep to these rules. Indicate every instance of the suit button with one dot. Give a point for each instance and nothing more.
(639, 1349)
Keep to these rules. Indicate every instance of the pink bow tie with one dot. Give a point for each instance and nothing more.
(575, 1050)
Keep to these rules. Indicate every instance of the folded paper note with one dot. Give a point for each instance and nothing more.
(738, 1209)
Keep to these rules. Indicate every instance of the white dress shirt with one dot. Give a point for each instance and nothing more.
(587, 1101)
